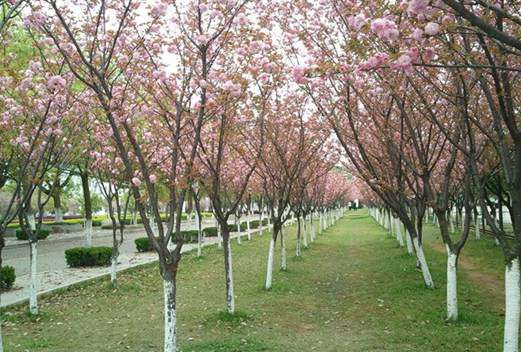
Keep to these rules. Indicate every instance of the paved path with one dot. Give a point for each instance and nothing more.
(53, 272)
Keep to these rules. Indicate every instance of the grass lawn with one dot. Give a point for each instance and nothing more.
(353, 290)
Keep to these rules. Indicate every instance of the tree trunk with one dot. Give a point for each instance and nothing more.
(312, 225)
(423, 263)
(88, 208)
(113, 271)
(283, 256)
(219, 237)
(58, 214)
(169, 289)
(408, 241)
(298, 251)
(248, 229)
(452, 285)
(269, 269)
(512, 306)
(228, 268)
(399, 233)
(305, 237)
(199, 235)
(33, 290)
(477, 230)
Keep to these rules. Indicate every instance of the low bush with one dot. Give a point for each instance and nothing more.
(210, 231)
(253, 225)
(40, 234)
(189, 236)
(92, 256)
(143, 244)
(96, 223)
(7, 277)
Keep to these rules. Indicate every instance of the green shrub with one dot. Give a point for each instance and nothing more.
(83, 256)
(7, 277)
(143, 244)
(253, 225)
(189, 236)
(96, 223)
(210, 231)
(265, 221)
(40, 234)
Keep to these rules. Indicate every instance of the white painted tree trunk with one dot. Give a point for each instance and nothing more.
(305, 233)
(408, 241)
(239, 235)
(230, 295)
(199, 236)
(58, 215)
(283, 254)
(219, 237)
(88, 233)
(512, 306)
(269, 269)
(1, 340)
(33, 284)
(423, 264)
(170, 316)
(312, 230)
(113, 271)
(399, 233)
(477, 229)
(248, 229)
(452, 286)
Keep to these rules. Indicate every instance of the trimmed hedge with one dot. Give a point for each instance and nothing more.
(212, 231)
(7, 277)
(40, 234)
(83, 256)
(254, 224)
(143, 244)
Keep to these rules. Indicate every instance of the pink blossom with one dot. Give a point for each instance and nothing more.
(136, 181)
(385, 29)
(56, 83)
(432, 28)
(153, 178)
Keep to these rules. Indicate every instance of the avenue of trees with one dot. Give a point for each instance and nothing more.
(268, 105)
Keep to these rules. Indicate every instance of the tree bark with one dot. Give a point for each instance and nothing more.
(88, 208)
(228, 268)
(169, 291)
(512, 306)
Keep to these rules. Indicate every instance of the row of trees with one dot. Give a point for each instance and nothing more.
(160, 103)
(422, 97)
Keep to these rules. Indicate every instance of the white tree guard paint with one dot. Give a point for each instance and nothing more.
(199, 236)
(219, 237)
(408, 241)
(1, 340)
(248, 229)
(269, 269)
(305, 233)
(283, 254)
(239, 235)
(399, 233)
(88, 233)
(33, 289)
(58, 215)
(423, 264)
(452, 286)
(170, 316)
(312, 230)
(230, 296)
(512, 307)
(32, 221)
(113, 271)
(477, 230)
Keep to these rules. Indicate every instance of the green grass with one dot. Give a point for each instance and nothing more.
(353, 290)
